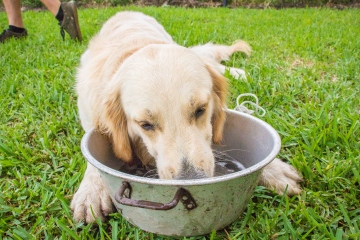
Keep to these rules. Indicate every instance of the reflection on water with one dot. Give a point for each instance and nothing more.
(225, 164)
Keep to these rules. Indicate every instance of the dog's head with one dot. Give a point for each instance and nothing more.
(166, 104)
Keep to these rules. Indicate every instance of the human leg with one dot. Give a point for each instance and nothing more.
(16, 25)
(52, 5)
(13, 11)
(66, 14)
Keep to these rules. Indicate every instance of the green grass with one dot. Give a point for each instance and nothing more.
(304, 69)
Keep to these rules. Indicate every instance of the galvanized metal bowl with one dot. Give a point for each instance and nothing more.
(189, 207)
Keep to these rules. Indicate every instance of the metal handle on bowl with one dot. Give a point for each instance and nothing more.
(123, 197)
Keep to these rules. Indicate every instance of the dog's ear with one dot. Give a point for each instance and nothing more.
(220, 92)
(112, 122)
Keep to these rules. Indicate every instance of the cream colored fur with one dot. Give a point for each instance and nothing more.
(156, 101)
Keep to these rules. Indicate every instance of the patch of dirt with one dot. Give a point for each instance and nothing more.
(300, 63)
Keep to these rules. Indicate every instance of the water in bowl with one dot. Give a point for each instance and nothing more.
(224, 164)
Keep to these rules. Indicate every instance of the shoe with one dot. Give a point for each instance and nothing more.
(70, 23)
(6, 34)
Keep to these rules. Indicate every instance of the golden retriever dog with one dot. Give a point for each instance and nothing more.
(157, 102)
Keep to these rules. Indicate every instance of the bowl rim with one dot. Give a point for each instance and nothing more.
(188, 182)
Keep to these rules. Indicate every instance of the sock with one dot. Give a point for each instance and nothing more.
(60, 15)
(16, 29)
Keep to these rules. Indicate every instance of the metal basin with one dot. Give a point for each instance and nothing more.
(189, 207)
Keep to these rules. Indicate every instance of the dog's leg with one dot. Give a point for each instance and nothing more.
(92, 198)
(280, 176)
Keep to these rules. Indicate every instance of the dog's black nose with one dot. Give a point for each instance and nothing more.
(188, 171)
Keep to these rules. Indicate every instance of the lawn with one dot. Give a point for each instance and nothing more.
(304, 68)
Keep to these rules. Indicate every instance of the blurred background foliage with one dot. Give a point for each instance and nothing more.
(207, 3)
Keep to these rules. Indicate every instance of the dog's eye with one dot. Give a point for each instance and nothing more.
(147, 126)
(199, 112)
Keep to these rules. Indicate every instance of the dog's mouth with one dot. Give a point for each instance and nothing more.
(224, 164)
(150, 171)
(188, 171)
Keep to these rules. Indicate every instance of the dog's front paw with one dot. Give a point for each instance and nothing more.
(92, 199)
(280, 176)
